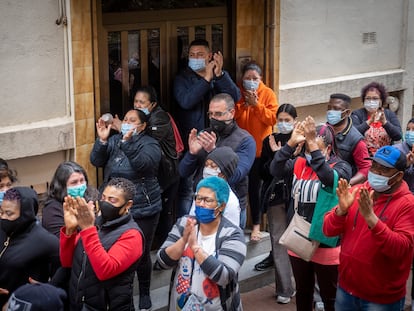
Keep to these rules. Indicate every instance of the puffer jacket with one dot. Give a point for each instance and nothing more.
(136, 159)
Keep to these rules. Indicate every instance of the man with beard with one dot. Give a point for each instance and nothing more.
(103, 258)
(223, 131)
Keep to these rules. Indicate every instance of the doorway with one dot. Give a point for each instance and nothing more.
(150, 47)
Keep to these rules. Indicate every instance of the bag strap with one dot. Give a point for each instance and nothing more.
(296, 200)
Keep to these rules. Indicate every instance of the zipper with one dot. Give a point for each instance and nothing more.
(6, 244)
(80, 275)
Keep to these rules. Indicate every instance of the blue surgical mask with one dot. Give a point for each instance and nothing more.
(409, 138)
(378, 182)
(77, 191)
(126, 127)
(334, 116)
(285, 127)
(250, 85)
(371, 105)
(204, 215)
(145, 110)
(197, 64)
(2, 196)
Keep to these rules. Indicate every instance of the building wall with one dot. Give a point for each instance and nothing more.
(36, 128)
(323, 39)
(322, 51)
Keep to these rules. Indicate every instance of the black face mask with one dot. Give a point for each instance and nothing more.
(11, 226)
(108, 211)
(218, 126)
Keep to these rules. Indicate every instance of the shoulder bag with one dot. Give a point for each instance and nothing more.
(296, 236)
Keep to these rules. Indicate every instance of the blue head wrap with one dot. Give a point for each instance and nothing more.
(218, 185)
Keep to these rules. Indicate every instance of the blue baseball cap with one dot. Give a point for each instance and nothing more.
(391, 157)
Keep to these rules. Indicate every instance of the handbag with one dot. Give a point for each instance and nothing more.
(296, 236)
(326, 200)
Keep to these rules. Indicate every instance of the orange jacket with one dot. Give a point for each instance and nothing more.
(258, 120)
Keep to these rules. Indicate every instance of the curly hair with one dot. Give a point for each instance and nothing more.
(123, 184)
(374, 86)
(12, 195)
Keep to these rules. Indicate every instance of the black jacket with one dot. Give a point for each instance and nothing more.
(137, 160)
(160, 128)
(113, 294)
(31, 251)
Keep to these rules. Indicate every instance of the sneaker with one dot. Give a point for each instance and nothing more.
(282, 300)
(265, 264)
(145, 303)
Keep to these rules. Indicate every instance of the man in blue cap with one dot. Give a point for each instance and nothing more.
(376, 223)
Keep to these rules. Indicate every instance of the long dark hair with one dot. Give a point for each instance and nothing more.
(57, 188)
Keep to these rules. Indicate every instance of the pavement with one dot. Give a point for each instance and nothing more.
(263, 299)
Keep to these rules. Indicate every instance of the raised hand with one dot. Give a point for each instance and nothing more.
(207, 140)
(298, 135)
(309, 128)
(274, 146)
(85, 213)
(194, 145)
(365, 201)
(69, 215)
(345, 197)
(218, 61)
(103, 130)
(189, 226)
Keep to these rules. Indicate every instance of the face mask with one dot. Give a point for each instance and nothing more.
(204, 215)
(77, 191)
(371, 105)
(2, 196)
(218, 126)
(208, 171)
(11, 226)
(126, 127)
(250, 85)
(197, 64)
(333, 116)
(145, 110)
(409, 138)
(379, 183)
(108, 211)
(285, 127)
(308, 157)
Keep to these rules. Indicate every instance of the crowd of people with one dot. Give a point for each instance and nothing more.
(242, 151)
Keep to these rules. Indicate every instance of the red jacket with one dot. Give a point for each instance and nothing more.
(375, 263)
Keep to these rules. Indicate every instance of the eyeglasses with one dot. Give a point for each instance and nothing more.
(216, 113)
(207, 201)
(372, 98)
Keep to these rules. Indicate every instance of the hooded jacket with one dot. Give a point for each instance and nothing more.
(31, 250)
(375, 263)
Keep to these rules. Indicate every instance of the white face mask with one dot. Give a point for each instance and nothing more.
(371, 105)
(208, 171)
(285, 127)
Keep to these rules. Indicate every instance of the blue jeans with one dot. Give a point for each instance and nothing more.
(347, 302)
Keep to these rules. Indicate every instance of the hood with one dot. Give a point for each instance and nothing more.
(28, 204)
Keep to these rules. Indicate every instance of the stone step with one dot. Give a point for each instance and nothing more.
(249, 278)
